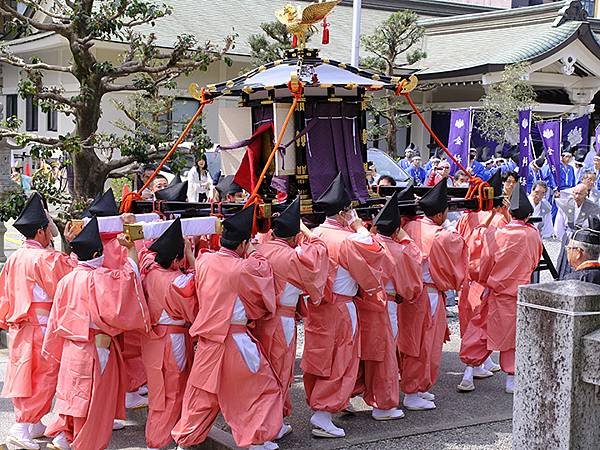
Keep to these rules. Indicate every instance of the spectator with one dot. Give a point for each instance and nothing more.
(589, 179)
(416, 171)
(461, 179)
(200, 186)
(159, 182)
(583, 253)
(510, 181)
(23, 180)
(408, 155)
(438, 173)
(542, 208)
(385, 180)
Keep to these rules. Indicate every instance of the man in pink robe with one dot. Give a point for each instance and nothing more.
(332, 341)
(472, 226)
(168, 352)
(422, 323)
(510, 255)
(93, 307)
(27, 284)
(300, 266)
(378, 314)
(230, 373)
(115, 256)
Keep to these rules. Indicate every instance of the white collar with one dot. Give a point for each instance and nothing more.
(94, 263)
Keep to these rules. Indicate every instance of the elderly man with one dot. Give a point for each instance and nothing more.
(588, 178)
(439, 173)
(573, 211)
(542, 208)
(583, 252)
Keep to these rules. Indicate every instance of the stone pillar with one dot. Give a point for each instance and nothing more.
(554, 408)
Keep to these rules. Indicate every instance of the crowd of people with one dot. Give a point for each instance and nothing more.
(207, 325)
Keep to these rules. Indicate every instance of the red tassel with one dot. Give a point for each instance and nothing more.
(294, 41)
(325, 40)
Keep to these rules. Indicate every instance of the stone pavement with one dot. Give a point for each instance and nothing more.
(477, 420)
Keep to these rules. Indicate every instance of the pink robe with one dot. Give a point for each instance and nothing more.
(471, 226)
(27, 285)
(115, 257)
(230, 374)
(378, 318)
(297, 271)
(423, 330)
(332, 345)
(89, 304)
(510, 255)
(172, 302)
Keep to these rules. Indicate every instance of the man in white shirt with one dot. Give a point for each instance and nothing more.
(573, 212)
(542, 208)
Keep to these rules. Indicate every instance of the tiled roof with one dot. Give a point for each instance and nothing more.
(212, 21)
(484, 41)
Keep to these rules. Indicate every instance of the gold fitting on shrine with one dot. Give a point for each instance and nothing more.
(219, 226)
(134, 231)
(488, 193)
(76, 226)
(266, 210)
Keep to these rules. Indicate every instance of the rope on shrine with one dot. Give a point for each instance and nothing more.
(477, 187)
(130, 197)
(296, 88)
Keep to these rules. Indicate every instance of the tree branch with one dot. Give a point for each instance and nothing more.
(45, 140)
(19, 62)
(118, 163)
(7, 10)
(47, 12)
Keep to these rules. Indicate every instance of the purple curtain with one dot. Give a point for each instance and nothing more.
(261, 114)
(333, 146)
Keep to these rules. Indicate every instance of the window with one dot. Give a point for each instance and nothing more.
(175, 120)
(11, 106)
(31, 114)
(52, 120)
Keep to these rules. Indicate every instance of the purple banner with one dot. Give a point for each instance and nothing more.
(550, 132)
(524, 144)
(597, 143)
(459, 137)
(577, 132)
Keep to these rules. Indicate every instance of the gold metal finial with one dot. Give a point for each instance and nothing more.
(301, 21)
(195, 91)
(410, 85)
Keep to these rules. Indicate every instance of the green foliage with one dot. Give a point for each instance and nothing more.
(271, 44)
(391, 41)
(395, 36)
(498, 118)
(46, 182)
(147, 129)
(12, 203)
(144, 67)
